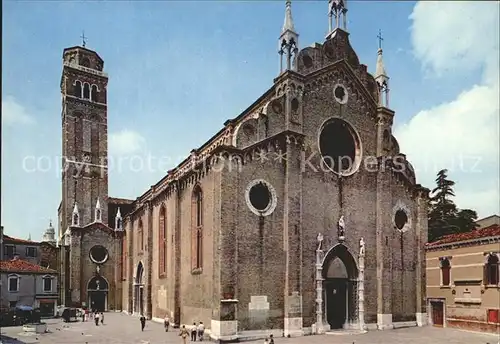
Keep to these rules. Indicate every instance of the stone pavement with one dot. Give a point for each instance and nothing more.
(124, 329)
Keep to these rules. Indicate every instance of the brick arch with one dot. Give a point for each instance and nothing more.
(343, 253)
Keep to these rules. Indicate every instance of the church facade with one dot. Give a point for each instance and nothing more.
(300, 215)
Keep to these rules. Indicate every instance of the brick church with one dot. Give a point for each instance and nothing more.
(300, 215)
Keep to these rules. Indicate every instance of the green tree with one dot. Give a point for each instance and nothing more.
(444, 216)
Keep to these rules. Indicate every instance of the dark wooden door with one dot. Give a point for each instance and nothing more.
(98, 300)
(437, 313)
(336, 290)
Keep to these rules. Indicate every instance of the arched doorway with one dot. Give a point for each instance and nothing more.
(97, 289)
(139, 290)
(340, 275)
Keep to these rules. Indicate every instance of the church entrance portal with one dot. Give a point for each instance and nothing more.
(340, 275)
(139, 290)
(98, 293)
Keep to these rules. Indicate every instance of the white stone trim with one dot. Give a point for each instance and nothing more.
(384, 321)
(293, 327)
(346, 93)
(224, 330)
(12, 276)
(357, 141)
(421, 319)
(400, 205)
(272, 202)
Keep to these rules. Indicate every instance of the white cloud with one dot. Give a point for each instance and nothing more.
(462, 135)
(14, 113)
(126, 142)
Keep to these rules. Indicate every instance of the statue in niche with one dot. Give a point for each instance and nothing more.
(341, 228)
(361, 247)
(320, 241)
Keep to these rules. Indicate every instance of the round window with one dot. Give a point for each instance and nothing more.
(340, 94)
(260, 197)
(339, 146)
(98, 254)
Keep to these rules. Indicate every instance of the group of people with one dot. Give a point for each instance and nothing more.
(94, 315)
(197, 332)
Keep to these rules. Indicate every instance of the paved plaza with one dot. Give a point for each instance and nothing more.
(124, 329)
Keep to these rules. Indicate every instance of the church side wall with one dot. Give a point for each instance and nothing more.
(196, 288)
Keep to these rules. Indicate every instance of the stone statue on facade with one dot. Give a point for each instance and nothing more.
(320, 241)
(341, 228)
(361, 247)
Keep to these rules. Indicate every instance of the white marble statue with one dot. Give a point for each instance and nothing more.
(361, 247)
(320, 241)
(341, 227)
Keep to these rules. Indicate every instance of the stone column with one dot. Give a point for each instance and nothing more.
(421, 236)
(361, 285)
(319, 291)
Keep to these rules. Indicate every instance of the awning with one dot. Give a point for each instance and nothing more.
(46, 300)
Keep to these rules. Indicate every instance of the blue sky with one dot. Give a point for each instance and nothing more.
(178, 70)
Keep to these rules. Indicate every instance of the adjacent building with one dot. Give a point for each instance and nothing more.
(463, 284)
(27, 284)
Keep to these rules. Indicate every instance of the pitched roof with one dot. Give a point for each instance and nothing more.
(23, 266)
(13, 240)
(490, 231)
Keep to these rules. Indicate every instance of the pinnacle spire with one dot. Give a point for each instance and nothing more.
(381, 75)
(337, 9)
(289, 38)
(288, 24)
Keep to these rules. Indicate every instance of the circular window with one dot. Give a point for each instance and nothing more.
(339, 146)
(400, 219)
(98, 254)
(307, 60)
(260, 197)
(340, 93)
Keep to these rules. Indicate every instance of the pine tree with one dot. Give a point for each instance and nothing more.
(444, 216)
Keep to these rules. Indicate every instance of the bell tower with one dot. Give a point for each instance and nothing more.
(84, 137)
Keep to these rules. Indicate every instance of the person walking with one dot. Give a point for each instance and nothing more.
(166, 323)
(143, 322)
(193, 332)
(96, 318)
(271, 339)
(102, 318)
(183, 333)
(201, 331)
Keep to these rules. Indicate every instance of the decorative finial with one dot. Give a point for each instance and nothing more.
(29, 237)
(380, 39)
(84, 39)
(50, 222)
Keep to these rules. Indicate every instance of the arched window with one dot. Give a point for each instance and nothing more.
(77, 89)
(162, 228)
(491, 270)
(75, 219)
(47, 283)
(445, 272)
(197, 230)
(124, 258)
(13, 283)
(94, 96)
(86, 91)
(140, 234)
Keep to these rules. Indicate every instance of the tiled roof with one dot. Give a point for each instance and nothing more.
(490, 231)
(10, 239)
(19, 265)
(115, 200)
